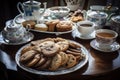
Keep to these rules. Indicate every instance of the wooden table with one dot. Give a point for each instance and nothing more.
(99, 65)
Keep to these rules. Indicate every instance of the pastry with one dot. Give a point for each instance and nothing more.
(29, 24)
(64, 26)
(52, 25)
(41, 27)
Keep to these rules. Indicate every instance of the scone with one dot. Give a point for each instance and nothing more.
(41, 27)
(51, 25)
(64, 26)
(29, 23)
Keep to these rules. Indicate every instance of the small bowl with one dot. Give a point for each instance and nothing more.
(59, 12)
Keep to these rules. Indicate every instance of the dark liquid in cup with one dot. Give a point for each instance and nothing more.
(86, 25)
(107, 35)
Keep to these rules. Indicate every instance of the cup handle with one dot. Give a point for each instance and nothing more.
(18, 7)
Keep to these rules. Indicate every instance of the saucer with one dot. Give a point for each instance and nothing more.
(78, 35)
(115, 46)
(28, 37)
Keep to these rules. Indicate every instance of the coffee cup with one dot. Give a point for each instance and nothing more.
(105, 38)
(85, 28)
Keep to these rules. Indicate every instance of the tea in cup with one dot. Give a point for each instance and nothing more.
(86, 28)
(105, 38)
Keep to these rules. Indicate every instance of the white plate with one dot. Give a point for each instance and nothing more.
(78, 35)
(19, 19)
(28, 37)
(115, 46)
(57, 72)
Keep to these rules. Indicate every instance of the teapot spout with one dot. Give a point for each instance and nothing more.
(45, 6)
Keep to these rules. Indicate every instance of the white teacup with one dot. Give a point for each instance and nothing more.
(86, 28)
(105, 38)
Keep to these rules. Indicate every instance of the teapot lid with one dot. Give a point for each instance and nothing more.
(116, 19)
(35, 3)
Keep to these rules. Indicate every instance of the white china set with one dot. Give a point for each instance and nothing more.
(13, 33)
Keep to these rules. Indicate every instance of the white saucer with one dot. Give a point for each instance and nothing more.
(115, 46)
(78, 35)
(28, 37)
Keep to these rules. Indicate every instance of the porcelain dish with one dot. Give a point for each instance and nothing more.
(28, 37)
(114, 47)
(60, 71)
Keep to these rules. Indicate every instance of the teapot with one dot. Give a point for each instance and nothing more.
(29, 7)
(13, 33)
(114, 23)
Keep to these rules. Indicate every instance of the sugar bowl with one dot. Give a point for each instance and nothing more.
(13, 33)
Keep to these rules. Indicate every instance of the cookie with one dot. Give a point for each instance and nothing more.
(45, 65)
(25, 49)
(64, 58)
(75, 50)
(38, 42)
(74, 44)
(64, 45)
(41, 61)
(50, 50)
(46, 44)
(73, 53)
(27, 56)
(56, 62)
(33, 61)
(71, 61)
(37, 49)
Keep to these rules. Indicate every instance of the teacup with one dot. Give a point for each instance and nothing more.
(29, 9)
(105, 38)
(97, 17)
(86, 28)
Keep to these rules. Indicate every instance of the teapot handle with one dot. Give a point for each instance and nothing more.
(85, 14)
(109, 17)
(18, 7)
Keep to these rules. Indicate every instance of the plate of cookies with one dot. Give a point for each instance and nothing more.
(52, 56)
(55, 26)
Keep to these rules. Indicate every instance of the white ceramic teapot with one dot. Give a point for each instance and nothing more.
(29, 8)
